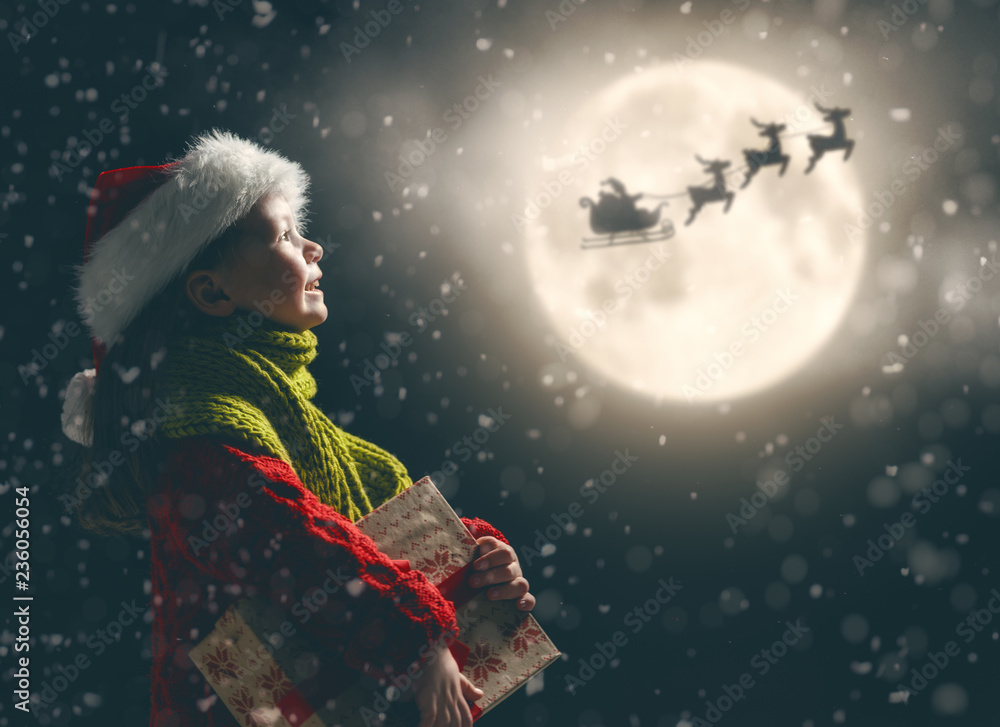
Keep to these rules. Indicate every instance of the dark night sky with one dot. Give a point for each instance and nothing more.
(237, 65)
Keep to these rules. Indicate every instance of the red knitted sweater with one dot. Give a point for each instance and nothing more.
(277, 540)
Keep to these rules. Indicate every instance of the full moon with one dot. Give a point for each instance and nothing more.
(732, 303)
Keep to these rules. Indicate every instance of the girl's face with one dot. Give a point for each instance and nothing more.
(275, 267)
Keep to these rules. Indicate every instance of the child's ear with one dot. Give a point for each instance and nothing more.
(204, 290)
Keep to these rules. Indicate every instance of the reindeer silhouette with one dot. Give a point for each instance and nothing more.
(838, 140)
(716, 193)
(772, 155)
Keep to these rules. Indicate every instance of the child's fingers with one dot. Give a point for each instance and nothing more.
(428, 712)
(469, 690)
(464, 713)
(492, 552)
(515, 589)
(488, 543)
(527, 603)
(449, 716)
(501, 574)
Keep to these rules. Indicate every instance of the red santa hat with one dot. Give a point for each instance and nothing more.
(146, 224)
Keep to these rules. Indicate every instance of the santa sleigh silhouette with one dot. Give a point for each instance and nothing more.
(618, 221)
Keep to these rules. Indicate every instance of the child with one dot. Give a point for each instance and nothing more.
(199, 291)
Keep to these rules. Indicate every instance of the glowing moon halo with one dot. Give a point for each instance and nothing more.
(746, 298)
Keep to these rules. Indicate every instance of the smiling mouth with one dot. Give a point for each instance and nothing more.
(313, 287)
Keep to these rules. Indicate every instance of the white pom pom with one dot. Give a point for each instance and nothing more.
(77, 407)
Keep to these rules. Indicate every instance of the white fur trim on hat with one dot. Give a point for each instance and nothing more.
(76, 409)
(217, 182)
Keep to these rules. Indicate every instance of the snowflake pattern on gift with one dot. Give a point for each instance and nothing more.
(242, 701)
(483, 662)
(221, 664)
(274, 683)
(525, 636)
(437, 566)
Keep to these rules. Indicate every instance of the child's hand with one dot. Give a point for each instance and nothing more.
(497, 566)
(442, 690)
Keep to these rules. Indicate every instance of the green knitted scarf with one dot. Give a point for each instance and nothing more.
(252, 384)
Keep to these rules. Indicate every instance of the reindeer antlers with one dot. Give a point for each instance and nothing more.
(837, 111)
(709, 163)
(715, 164)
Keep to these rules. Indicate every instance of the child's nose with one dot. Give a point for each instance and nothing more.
(317, 250)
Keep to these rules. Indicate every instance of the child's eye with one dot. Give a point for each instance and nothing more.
(284, 235)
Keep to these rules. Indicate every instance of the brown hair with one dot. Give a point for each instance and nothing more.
(108, 493)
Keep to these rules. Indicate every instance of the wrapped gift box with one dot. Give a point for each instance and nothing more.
(499, 647)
